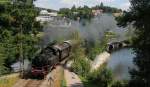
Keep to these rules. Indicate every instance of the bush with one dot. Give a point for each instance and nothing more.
(95, 48)
(81, 67)
(101, 77)
(3, 70)
(119, 84)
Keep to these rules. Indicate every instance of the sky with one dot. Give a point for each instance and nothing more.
(57, 4)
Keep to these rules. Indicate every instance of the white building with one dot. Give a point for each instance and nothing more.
(46, 16)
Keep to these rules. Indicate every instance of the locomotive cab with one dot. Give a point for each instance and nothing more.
(63, 50)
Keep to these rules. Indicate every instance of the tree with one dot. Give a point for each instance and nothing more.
(139, 16)
(74, 13)
(73, 8)
(118, 84)
(27, 2)
(101, 77)
(101, 5)
(17, 28)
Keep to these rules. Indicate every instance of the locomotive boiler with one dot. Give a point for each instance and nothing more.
(49, 57)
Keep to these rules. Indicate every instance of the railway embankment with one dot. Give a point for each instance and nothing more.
(53, 79)
(99, 60)
(9, 80)
(72, 79)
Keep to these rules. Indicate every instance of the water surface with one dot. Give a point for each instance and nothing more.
(120, 62)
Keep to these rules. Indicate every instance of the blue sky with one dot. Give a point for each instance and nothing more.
(56, 4)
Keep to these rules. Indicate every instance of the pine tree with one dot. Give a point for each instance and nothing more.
(18, 31)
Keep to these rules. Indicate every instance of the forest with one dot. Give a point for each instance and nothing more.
(18, 34)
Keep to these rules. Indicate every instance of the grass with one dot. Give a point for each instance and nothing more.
(58, 76)
(8, 82)
(87, 83)
(4, 1)
(63, 84)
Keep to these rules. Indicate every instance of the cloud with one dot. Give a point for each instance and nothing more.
(52, 4)
(84, 2)
(125, 6)
(56, 4)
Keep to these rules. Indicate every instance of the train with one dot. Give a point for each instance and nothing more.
(49, 57)
(112, 46)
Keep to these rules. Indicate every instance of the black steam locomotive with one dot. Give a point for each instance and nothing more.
(49, 57)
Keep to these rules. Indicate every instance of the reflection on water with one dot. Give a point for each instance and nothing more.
(120, 62)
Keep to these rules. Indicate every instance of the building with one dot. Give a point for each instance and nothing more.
(46, 16)
(118, 14)
(97, 12)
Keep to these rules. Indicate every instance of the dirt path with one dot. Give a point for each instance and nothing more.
(28, 83)
(53, 79)
(72, 80)
(10, 76)
(100, 59)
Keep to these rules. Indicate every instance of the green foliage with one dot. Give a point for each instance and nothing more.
(99, 78)
(119, 84)
(107, 9)
(63, 83)
(81, 68)
(3, 70)
(17, 26)
(74, 13)
(4, 1)
(139, 16)
(80, 65)
(94, 48)
(85, 12)
(125, 19)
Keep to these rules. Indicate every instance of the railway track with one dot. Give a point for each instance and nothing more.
(40, 83)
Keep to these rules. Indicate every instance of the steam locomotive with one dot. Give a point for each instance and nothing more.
(49, 57)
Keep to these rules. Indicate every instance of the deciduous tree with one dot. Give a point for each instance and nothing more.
(139, 16)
